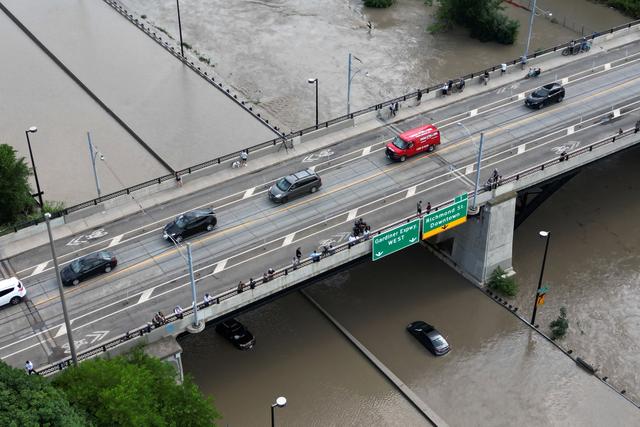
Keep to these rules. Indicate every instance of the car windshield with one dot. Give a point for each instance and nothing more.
(401, 144)
(541, 93)
(438, 342)
(75, 266)
(105, 256)
(283, 184)
(182, 221)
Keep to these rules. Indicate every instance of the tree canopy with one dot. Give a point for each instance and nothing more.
(29, 400)
(14, 186)
(134, 390)
(482, 17)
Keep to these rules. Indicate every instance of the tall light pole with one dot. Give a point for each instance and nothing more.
(312, 81)
(34, 129)
(474, 208)
(67, 323)
(280, 402)
(547, 236)
(180, 28)
(196, 321)
(533, 12)
(349, 79)
(93, 152)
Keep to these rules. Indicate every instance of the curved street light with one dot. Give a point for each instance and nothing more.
(34, 129)
(280, 403)
(312, 81)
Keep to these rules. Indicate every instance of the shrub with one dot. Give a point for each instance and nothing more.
(378, 3)
(501, 283)
(560, 325)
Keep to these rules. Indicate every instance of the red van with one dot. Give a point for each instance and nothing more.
(412, 142)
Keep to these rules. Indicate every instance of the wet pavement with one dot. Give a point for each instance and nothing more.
(268, 50)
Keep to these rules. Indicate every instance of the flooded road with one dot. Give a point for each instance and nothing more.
(268, 50)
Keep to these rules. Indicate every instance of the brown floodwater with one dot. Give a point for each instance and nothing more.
(268, 49)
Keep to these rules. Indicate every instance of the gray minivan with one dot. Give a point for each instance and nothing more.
(305, 181)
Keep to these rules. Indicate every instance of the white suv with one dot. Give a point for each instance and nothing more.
(12, 291)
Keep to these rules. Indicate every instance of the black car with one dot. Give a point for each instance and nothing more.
(235, 332)
(190, 223)
(553, 92)
(88, 266)
(305, 181)
(429, 337)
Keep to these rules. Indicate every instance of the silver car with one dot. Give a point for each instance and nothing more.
(303, 182)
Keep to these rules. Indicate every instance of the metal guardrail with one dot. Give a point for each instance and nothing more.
(285, 137)
(230, 293)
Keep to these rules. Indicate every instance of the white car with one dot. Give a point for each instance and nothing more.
(12, 291)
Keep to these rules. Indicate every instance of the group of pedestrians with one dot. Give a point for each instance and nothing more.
(419, 207)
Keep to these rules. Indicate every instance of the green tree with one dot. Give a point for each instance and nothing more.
(484, 19)
(135, 390)
(560, 325)
(378, 3)
(14, 186)
(30, 400)
(501, 283)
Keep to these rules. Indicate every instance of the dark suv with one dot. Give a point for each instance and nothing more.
(306, 181)
(553, 92)
(236, 333)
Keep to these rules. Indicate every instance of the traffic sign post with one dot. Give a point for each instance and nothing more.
(445, 218)
(396, 239)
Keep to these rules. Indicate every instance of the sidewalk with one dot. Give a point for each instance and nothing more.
(26, 239)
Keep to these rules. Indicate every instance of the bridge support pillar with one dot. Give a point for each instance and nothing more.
(485, 241)
(170, 351)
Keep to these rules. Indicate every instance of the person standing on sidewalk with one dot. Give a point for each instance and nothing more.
(28, 366)
(419, 207)
(428, 208)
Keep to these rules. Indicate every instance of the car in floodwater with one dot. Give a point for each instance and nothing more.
(236, 333)
(88, 266)
(190, 223)
(429, 337)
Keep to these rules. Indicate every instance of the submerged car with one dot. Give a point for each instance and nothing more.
(88, 266)
(305, 181)
(236, 333)
(553, 92)
(190, 223)
(429, 337)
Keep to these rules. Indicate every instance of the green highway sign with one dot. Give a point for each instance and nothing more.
(396, 239)
(445, 218)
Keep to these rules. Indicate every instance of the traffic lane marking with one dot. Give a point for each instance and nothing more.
(180, 286)
(383, 142)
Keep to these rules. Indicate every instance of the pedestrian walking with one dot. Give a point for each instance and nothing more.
(295, 262)
(428, 208)
(240, 287)
(419, 207)
(391, 110)
(396, 107)
(244, 156)
(28, 366)
(419, 97)
(503, 69)
(299, 253)
(352, 240)
(178, 312)
(252, 283)
(637, 128)
(366, 232)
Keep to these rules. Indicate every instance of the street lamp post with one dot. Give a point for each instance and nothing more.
(67, 323)
(196, 321)
(280, 402)
(180, 28)
(533, 12)
(547, 236)
(474, 208)
(34, 129)
(349, 79)
(93, 152)
(312, 81)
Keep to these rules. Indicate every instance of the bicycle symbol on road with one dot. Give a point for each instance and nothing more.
(318, 156)
(95, 234)
(569, 146)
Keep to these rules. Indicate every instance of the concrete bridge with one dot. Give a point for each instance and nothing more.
(110, 313)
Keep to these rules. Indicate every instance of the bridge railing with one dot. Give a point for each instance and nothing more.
(285, 137)
(284, 271)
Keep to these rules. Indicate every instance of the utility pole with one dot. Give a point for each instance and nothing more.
(547, 235)
(532, 3)
(196, 321)
(92, 153)
(67, 323)
(180, 28)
